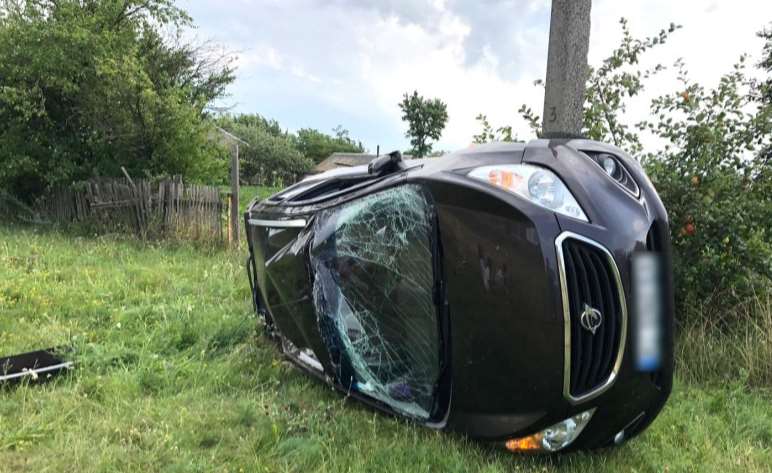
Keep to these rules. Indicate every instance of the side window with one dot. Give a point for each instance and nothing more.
(373, 285)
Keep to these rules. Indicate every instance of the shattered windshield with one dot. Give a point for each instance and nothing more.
(373, 284)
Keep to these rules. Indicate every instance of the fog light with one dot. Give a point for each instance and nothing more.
(609, 165)
(553, 438)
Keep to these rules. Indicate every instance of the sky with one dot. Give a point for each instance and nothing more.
(323, 63)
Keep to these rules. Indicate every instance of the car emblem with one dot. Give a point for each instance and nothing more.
(591, 319)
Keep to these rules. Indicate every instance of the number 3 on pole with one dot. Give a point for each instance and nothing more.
(553, 115)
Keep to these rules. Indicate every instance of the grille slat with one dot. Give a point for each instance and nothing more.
(597, 301)
(608, 308)
(590, 278)
(573, 294)
(583, 296)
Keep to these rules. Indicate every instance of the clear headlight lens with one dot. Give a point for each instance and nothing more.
(539, 185)
(553, 438)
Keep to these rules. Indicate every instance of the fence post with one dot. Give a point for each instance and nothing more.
(139, 208)
(234, 213)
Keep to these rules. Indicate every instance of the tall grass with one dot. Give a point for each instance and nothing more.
(171, 376)
(737, 345)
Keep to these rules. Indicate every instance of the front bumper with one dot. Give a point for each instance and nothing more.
(509, 332)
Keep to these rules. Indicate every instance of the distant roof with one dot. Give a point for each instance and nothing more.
(347, 160)
(337, 160)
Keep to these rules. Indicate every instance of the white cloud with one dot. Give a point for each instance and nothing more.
(324, 62)
(260, 55)
(713, 36)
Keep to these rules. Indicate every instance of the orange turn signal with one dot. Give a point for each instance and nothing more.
(531, 443)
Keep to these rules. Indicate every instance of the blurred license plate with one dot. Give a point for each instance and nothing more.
(647, 310)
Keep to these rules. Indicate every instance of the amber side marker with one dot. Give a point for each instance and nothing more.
(532, 443)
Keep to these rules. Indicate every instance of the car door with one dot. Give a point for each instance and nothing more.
(373, 269)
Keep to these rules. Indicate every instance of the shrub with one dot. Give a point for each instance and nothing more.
(271, 153)
(88, 87)
(714, 173)
(716, 187)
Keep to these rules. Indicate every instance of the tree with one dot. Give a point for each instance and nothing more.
(272, 156)
(426, 118)
(487, 134)
(715, 185)
(608, 89)
(88, 87)
(764, 91)
(714, 172)
(319, 146)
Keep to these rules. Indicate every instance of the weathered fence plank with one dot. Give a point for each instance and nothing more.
(167, 208)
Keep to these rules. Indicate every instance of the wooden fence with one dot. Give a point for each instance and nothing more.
(150, 209)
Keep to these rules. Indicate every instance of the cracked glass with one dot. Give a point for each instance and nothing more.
(372, 291)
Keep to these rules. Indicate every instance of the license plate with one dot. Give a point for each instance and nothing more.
(648, 307)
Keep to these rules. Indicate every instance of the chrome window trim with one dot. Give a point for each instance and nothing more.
(297, 223)
(602, 387)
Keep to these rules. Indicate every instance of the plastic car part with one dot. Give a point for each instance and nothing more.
(37, 366)
(535, 184)
(386, 164)
(613, 168)
(555, 437)
(384, 343)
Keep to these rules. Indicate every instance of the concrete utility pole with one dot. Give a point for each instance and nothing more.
(566, 67)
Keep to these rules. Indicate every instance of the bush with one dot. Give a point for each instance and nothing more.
(271, 156)
(88, 87)
(318, 146)
(714, 173)
(717, 190)
(275, 157)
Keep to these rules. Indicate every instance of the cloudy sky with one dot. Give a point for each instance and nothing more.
(323, 63)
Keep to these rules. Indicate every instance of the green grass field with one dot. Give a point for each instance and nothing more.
(171, 376)
(247, 193)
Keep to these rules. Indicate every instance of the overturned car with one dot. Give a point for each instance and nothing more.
(516, 293)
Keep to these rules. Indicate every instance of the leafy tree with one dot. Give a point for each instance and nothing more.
(714, 173)
(319, 146)
(89, 86)
(502, 133)
(426, 118)
(272, 156)
(275, 152)
(608, 89)
(715, 186)
(253, 120)
(764, 90)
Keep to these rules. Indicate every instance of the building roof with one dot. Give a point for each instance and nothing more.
(347, 160)
(338, 160)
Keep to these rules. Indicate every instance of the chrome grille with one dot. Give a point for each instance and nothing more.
(590, 282)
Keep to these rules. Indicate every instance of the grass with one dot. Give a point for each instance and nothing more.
(247, 193)
(171, 376)
(742, 351)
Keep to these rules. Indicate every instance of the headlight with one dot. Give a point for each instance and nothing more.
(539, 185)
(553, 438)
